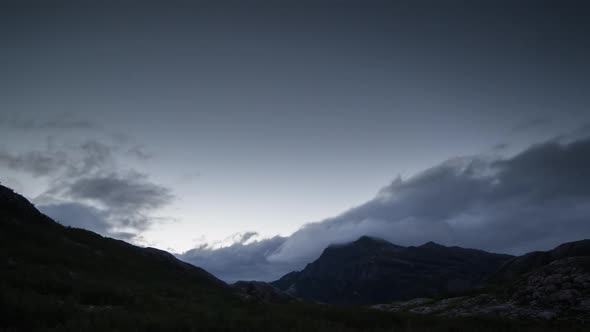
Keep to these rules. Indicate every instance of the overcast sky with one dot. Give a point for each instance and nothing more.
(182, 123)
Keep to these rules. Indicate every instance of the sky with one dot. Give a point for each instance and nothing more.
(260, 132)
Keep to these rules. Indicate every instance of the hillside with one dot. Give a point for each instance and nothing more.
(550, 285)
(527, 263)
(53, 275)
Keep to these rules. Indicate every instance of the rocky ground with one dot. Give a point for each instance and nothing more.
(557, 291)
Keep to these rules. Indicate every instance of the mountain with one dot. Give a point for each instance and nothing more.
(56, 278)
(550, 285)
(372, 270)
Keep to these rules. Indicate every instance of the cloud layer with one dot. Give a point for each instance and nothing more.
(534, 200)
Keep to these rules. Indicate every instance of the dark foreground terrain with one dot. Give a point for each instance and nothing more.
(56, 278)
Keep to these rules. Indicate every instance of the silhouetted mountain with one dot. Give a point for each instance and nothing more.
(372, 270)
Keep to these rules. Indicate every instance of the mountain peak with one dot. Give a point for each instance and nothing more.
(373, 270)
(431, 245)
(369, 239)
(364, 241)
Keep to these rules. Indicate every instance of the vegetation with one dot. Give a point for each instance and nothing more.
(165, 310)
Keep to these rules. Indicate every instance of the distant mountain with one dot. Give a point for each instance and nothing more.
(372, 270)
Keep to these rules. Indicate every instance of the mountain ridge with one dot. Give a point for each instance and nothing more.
(369, 270)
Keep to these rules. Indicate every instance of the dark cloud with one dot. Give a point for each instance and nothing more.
(533, 200)
(132, 192)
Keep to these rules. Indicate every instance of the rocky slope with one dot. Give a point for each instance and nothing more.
(521, 265)
(372, 270)
(551, 289)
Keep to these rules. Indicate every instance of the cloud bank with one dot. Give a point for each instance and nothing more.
(241, 260)
(533, 200)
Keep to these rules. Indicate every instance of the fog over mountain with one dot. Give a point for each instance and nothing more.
(533, 200)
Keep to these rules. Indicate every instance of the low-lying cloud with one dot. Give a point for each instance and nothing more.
(534, 200)
(242, 260)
